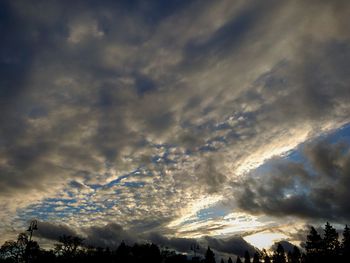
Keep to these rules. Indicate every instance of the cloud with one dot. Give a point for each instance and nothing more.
(179, 244)
(287, 246)
(209, 175)
(135, 113)
(111, 235)
(234, 245)
(53, 231)
(314, 189)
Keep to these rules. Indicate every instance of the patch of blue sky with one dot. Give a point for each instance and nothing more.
(140, 171)
(206, 126)
(297, 156)
(213, 144)
(342, 134)
(118, 180)
(134, 184)
(45, 211)
(223, 126)
(167, 156)
(212, 212)
(62, 200)
(109, 204)
(207, 148)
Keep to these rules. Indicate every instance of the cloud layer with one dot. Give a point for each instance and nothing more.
(133, 113)
(316, 188)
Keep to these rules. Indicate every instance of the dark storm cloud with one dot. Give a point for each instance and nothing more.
(233, 245)
(110, 235)
(53, 231)
(179, 244)
(316, 189)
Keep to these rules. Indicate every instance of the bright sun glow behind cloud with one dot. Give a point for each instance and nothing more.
(264, 239)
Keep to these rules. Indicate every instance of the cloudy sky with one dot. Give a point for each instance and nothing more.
(168, 121)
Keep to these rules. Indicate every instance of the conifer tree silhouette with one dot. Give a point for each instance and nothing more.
(279, 255)
(295, 255)
(209, 256)
(267, 259)
(246, 257)
(331, 245)
(345, 244)
(256, 258)
(313, 246)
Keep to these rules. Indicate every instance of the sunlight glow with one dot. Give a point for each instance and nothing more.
(190, 212)
(265, 239)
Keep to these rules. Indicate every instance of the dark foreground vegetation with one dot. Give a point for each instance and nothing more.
(326, 247)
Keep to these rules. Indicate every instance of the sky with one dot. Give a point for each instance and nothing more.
(219, 122)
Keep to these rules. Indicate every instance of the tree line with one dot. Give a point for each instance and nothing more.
(326, 247)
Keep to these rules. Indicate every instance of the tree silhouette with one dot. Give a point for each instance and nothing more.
(71, 250)
(265, 256)
(209, 256)
(10, 251)
(331, 245)
(256, 258)
(267, 259)
(295, 255)
(246, 257)
(229, 260)
(32, 251)
(15, 250)
(122, 252)
(279, 255)
(313, 246)
(345, 244)
(68, 245)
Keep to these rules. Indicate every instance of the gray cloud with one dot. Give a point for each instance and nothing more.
(111, 235)
(209, 175)
(53, 231)
(315, 189)
(234, 245)
(179, 244)
(287, 246)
